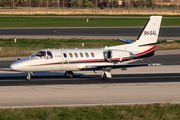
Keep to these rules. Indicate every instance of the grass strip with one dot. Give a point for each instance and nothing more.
(25, 47)
(162, 111)
(14, 22)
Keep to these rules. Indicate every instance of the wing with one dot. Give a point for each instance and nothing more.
(126, 41)
(100, 67)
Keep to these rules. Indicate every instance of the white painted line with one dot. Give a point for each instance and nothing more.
(90, 105)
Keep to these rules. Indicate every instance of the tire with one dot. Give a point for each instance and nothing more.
(69, 74)
(28, 77)
(105, 77)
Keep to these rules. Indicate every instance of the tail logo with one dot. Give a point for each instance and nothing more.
(150, 33)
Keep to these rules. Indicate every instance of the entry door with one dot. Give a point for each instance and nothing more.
(65, 60)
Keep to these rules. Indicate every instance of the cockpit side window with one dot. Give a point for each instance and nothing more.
(49, 55)
(41, 54)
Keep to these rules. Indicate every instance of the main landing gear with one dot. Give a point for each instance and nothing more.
(28, 76)
(69, 74)
(106, 74)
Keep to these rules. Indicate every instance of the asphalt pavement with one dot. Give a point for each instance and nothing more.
(86, 33)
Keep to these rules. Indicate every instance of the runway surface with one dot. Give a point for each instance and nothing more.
(132, 75)
(87, 89)
(141, 85)
(86, 33)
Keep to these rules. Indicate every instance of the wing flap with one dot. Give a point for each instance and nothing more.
(100, 67)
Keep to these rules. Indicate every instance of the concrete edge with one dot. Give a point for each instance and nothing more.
(90, 105)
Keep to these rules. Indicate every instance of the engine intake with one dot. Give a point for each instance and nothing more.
(114, 55)
(109, 55)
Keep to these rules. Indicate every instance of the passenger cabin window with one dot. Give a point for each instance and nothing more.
(87, 55)
(75, 54)
(92, 54)
(81, 54)
(71, 55)
(49, 55)
(65, 56)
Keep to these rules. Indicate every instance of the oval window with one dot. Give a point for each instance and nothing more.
(81, 54)
(92, 54)
(75, 54)
(71, 55)
(87, 55)
(65, 56)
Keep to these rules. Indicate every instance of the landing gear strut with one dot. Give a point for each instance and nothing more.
(105, 77)
(106, 74)
(28, 76)
(69, 74)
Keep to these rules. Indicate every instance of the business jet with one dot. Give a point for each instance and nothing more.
(104, 59)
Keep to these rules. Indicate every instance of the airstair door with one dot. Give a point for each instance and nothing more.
(65, 60)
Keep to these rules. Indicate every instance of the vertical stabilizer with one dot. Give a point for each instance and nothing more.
(146, 42)
(150, 32)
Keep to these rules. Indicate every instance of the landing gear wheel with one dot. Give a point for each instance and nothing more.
(105, 77)
(28, 76)
(69, 74)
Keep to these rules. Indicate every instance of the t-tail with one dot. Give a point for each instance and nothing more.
(146, 42)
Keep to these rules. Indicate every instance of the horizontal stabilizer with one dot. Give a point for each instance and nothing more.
(126, 41)
(100, 67)
(152, 43)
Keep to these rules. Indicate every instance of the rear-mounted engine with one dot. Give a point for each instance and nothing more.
(118, 55)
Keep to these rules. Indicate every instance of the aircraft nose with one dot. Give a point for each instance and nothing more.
(15, 66)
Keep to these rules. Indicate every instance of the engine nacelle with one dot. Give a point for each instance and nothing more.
(114, 55)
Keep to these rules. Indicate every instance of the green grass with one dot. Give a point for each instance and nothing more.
(163, 111)
(10, 22)
(25, 47)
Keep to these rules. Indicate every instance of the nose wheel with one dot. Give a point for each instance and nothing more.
(28, 76)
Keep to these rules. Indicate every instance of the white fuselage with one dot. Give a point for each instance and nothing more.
(69, 60)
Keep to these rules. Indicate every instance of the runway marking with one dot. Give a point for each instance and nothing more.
(89, 105)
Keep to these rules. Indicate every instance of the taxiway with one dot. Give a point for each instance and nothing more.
(86, 33)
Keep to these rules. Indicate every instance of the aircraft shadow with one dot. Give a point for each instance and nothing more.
(88, 79)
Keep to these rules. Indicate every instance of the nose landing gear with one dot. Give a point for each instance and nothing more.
(28, 76)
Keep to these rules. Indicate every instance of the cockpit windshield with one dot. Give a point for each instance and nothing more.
(42, 54)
